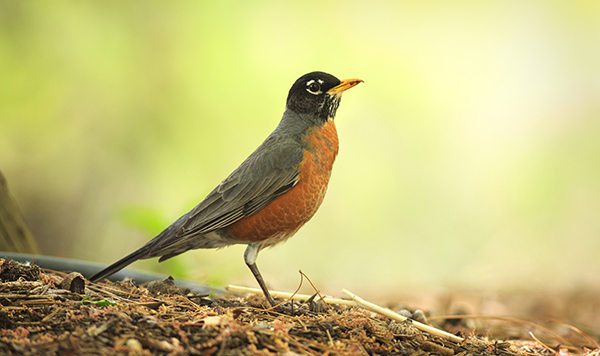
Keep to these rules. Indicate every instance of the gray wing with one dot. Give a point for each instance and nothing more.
(268, 172)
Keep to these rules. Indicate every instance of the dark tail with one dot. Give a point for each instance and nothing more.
(120, 264)
(160, 245)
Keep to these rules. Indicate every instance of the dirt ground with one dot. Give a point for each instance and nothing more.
(53, 313)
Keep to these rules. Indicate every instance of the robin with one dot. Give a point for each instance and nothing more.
(275, 191)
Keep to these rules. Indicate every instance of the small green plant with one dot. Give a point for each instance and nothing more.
(100, 303)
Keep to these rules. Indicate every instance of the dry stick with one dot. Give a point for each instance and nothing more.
(507, 319)
(586, 336)
(544, 345)
(233, 288)
(390, 314)
(314, 288)
(99, 288)
(293, 294)
(356, 301)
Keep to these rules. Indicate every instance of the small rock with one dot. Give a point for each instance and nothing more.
(134, 345)
(166, 287)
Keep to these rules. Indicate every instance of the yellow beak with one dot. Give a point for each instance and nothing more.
(344, 85)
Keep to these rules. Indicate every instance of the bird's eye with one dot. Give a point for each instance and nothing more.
(313, 88)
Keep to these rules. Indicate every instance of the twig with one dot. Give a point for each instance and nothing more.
(356, 301)
(314, 288)
(240, 289)
(330, 339)
(544, 345)
(586, 336)
(390, 314)
(507, 319)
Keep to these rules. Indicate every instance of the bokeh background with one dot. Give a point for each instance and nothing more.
(469, 158)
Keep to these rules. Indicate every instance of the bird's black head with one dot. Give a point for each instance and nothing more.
(318, 94)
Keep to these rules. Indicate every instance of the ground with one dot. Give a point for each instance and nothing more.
(54, 313)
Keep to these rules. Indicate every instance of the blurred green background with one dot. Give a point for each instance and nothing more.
(469, 158)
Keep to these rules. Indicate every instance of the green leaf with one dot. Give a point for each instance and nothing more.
(100, 303)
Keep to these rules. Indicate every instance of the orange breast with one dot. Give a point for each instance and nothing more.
(287, 213)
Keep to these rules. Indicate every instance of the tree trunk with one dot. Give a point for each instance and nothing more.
(14, 233)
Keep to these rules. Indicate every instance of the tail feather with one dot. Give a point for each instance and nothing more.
(152, 248)
(139, 254)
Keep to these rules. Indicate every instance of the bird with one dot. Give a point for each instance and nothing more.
(272, 194)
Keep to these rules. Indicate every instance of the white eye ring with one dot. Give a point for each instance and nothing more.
(313, 87)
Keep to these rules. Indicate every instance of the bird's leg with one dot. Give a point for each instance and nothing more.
(250, 258)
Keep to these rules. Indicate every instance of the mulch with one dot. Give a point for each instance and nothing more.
(54, 313)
